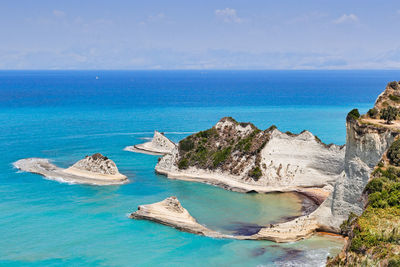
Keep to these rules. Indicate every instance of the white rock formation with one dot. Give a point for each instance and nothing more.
(365, 145)
(288, 162)
(171, 213)
(95, 169)
(159, 145)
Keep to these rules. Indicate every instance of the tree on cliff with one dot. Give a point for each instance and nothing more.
(389, 114)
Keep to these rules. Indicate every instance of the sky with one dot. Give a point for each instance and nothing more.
(207, 34)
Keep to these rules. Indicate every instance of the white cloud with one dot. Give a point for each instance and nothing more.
(228, 15)
(153, 18)
(346, 18)
(58, 13)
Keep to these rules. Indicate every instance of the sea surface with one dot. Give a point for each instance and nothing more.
(65, 115)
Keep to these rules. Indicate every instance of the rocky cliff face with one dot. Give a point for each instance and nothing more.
(97, 163)
(365, 145)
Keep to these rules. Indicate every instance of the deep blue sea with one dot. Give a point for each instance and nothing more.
(65, 115)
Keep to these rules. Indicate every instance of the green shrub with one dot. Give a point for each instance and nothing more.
(394, 85)
(375, 185)
(372, 112)
(255, 173)
(394, 98)
(394, 198)
(345, 227)
(393, 153)
(183, 163)
(186, 144)
(378, 199)
(221, 156)
(395, 262)
(207, 133)
(389, 114)
(353, 114)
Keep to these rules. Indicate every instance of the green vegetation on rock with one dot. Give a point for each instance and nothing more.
(375, 235)
(353, 114)
(394, 85)
(394, 98)
(224, 148)
(372, 113)
(255, 173)
(389, 114)
(393, 153)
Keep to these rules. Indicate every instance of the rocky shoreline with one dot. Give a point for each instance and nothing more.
(94, 170)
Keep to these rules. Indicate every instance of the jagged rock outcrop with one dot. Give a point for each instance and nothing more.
(171, 213)
(240, 157)
(159, 145)
(96, 163)
(96, 169)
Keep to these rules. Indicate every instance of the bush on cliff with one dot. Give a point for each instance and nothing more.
(393, 153)
(389, 114)
(255, 173)
(354, 114)
(394, 85)
(394, 98)
(372, 113)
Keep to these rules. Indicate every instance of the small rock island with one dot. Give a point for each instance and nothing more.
(95, 169)
(159, 145)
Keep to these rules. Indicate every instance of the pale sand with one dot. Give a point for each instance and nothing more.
(93, 175)
(138, 150)
(70, 175)
(170, 212)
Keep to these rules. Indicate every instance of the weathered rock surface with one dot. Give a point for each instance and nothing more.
(365, 145)
(159, 145)
(95, 169)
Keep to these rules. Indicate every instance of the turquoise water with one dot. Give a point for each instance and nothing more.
(49, 223)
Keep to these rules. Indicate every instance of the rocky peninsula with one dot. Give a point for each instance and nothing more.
(159, 145)
(95, 169)
(238, 156)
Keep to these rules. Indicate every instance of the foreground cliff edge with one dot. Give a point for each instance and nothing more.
(159, 145)
(96, 170)
(239, 157)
